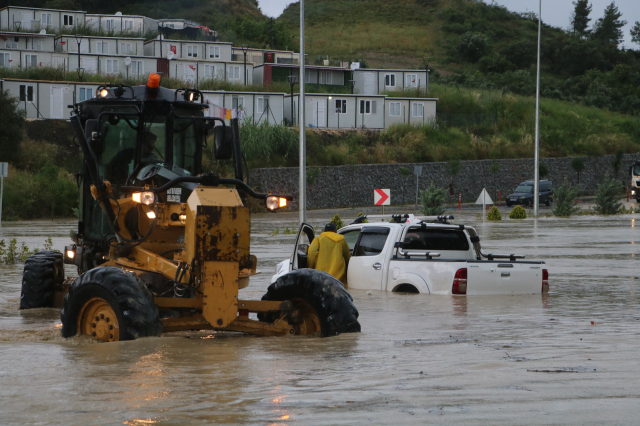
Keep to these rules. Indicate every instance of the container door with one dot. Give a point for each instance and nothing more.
(368, 262)
(163, 67)
(369, 83)
(301, 248)
(89, 65)
(57, 101)
(319, 113)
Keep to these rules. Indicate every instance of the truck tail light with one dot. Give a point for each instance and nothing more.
(460, 282)
(545, 281)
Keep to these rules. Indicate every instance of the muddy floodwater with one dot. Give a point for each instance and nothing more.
(569, 357)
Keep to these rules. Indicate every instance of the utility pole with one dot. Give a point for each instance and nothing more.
(536, 161)
(245, 48)
(4, 172)
(302, 118)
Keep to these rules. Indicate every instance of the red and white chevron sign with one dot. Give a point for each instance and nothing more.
(382, 197)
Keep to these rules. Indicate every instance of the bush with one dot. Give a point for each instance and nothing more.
(518, 212)
(11, 122)
(432, 200)
(337, 221)
(607, 196)
(494, 214)
(48, 193)
(565, 198)
(473, 46)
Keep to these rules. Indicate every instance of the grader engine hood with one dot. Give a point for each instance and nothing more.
(221, 228)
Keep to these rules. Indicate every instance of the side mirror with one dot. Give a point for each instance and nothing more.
(223, 142)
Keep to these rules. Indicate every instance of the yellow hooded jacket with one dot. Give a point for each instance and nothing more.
(329, 252)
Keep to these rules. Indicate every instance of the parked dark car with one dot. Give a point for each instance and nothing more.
(523, 194)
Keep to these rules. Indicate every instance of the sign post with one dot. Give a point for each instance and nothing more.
(417, 170)
(484, 199)
(382, 197)
(4, 172)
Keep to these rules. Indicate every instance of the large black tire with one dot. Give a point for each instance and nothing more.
(332, 303)
(508, 204)
(42, 272)
(132, 302)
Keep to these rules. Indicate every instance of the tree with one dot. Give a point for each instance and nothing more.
(565, 198)
(616, 163)
(11, 123)
(635, 33)
(578, 166)
(606, 201)
(580, 17)
(432, 200)
(473, 46)
(608, 29)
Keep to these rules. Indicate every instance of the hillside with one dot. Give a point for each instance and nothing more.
(472, 44)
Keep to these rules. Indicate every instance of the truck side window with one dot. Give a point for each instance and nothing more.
(351, 237)
(371, 241)
(435, 240)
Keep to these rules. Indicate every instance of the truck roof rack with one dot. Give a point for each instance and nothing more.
(404, 218)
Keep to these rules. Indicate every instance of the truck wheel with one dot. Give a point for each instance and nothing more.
(508, 204)
(548, 202)
(110, 304)
(42, 272)
(321, 304)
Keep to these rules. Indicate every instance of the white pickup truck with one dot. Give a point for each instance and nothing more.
(424, 255)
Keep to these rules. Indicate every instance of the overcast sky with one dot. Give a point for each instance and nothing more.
(556, 13)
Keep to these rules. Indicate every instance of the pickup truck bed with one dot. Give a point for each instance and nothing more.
(413, 255)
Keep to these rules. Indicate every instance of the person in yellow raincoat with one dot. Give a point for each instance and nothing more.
(330, 253)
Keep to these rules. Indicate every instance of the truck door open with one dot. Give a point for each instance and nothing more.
(368, 262)
(301, 248)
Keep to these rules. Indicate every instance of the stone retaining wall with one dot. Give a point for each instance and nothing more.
(344, 186)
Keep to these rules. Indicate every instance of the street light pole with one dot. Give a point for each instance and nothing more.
(427, 60)
(536, 173)
(301, 118)
(292, 81)
(353, 84)
(78, 41)
(244, 51)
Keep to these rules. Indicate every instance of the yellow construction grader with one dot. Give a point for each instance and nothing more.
(162, 247)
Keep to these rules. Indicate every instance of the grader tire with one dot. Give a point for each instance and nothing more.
(332, 304)
(41, 272)
(110, 304)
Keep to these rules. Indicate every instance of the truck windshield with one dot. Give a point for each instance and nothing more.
(524, 188)
(636, 170)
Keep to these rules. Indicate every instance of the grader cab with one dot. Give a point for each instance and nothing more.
(162, 247)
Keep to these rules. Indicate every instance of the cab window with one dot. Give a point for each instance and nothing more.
(371, 242)
(351, 237)
(435, 240)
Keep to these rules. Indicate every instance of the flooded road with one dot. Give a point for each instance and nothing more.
(419, 359)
